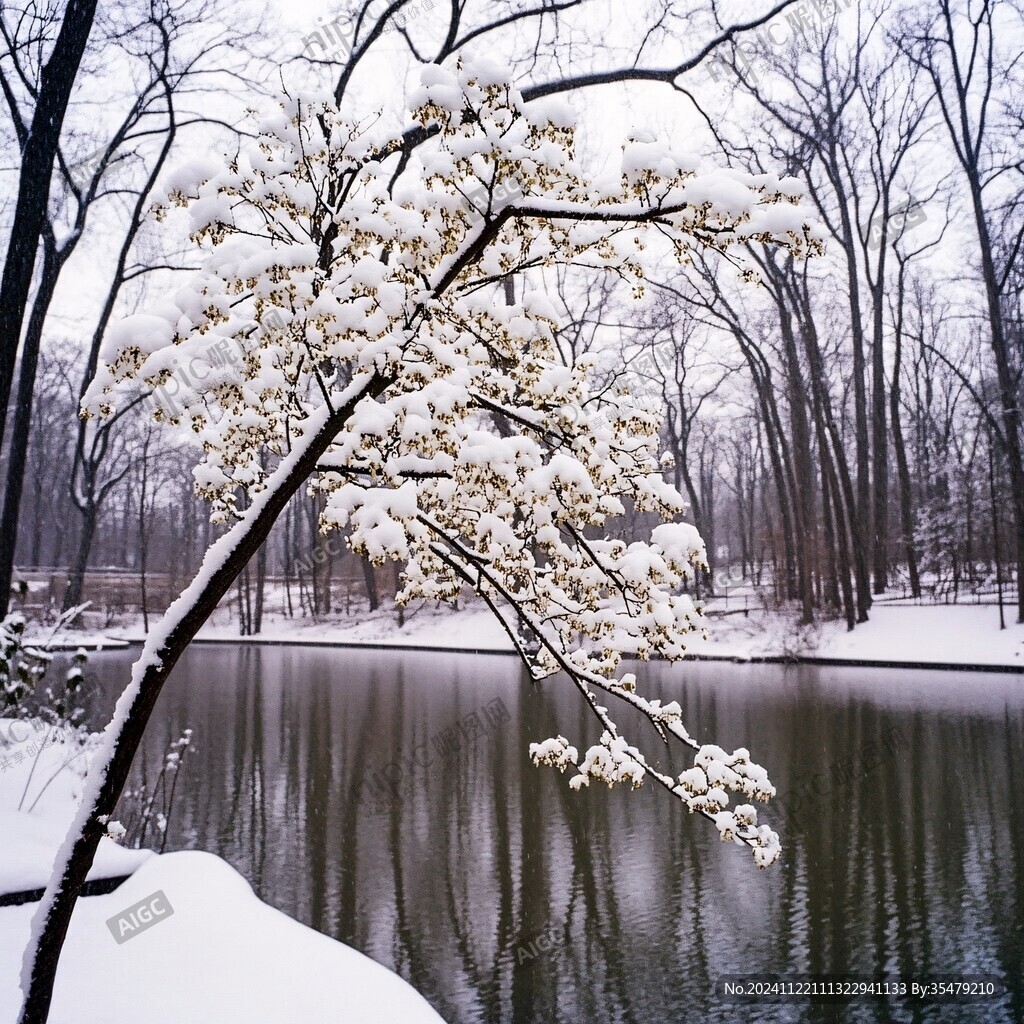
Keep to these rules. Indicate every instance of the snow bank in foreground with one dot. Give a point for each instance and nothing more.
(219, 957)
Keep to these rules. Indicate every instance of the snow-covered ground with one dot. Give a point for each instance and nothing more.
(218, 956)
(471, 628)
(212, 954)
(966, 635)
(898, 634)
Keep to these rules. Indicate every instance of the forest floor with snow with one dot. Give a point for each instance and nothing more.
(738, 627)
(183, 939)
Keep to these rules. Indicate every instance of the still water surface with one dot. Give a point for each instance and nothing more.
(332, 780)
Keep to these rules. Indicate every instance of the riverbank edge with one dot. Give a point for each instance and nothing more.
(736, 659)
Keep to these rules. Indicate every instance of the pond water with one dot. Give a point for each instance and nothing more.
(387, 799)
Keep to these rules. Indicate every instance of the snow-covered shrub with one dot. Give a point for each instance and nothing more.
(27, 692)
(145, 812)
(21, 668)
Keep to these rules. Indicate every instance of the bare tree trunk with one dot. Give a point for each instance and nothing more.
(39, 150)
(708, 531)
(244, 618)
(261, 579)
(37, 519)
(143, 534)
(76, 576)
(398, 586)
(829, 578)
(19, 435)
(370, 582)
(314, 539)
(804, 495)
(287, 557)
(843, 496)
(860, 515)
(779, 456)
(995, 530)
(843, 539)
(879, 443)
(126, 520)
(900, 450)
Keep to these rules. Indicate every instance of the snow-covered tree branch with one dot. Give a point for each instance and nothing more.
(439, 423)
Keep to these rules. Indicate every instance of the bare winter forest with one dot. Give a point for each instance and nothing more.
(849, 428)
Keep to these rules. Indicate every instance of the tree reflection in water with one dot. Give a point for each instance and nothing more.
(898, 862)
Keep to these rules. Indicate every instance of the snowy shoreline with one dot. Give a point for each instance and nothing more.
(735, 659)
(728, 658)
(928, 637)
